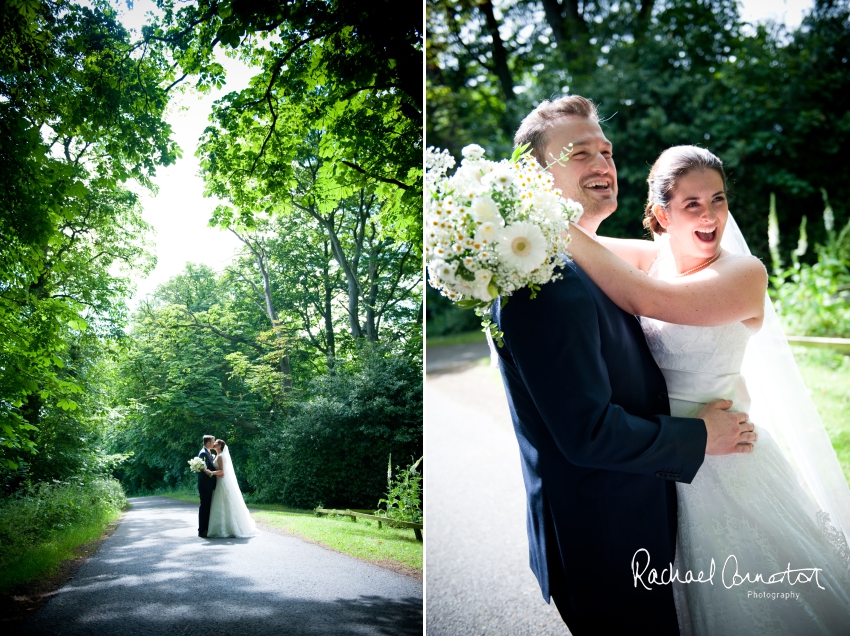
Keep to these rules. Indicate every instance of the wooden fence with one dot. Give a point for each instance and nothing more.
(838, 344)
(393, 523)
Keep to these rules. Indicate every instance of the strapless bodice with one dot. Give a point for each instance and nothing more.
(700, 364)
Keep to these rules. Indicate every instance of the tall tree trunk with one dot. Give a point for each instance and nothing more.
(330, 338)
(350, 272)
(500, 53)
(555, 17)
(643, 18)
(262, 261)
(371, 299)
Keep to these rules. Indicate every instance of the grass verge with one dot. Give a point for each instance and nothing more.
(43, 525)
(470, 337)
(19, 602)
(42, 560)
(394, 548)
(47, 530)
(827, 376)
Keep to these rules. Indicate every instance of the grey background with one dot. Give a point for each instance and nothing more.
(477, 576)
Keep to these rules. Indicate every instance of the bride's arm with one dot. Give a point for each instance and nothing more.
(703, 299)
(219, 472)
(637, 253)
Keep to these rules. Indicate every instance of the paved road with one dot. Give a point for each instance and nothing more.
(154, 577)
(446, 358)
(477, 575)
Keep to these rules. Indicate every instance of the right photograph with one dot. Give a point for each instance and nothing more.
(637, 241)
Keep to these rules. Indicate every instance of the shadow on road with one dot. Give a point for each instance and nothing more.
(154, 576)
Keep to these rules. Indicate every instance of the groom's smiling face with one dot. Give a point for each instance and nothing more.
(590, 176)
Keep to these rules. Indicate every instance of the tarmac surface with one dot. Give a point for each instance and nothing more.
(477, 576)
(154, 576)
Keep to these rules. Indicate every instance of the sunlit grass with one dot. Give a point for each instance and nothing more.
(827, 376)
(362, 539)
(470, 337)
(42, 560)
(44, 526)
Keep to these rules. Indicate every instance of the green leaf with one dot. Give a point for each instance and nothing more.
(519, 151)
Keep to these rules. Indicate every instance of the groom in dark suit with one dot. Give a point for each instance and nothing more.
(206, 485)
(600, 452)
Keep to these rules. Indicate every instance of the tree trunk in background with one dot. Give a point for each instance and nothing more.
(500, 54)
(266, 293)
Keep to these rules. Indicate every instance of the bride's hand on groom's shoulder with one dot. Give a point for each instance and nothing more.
(727, 432)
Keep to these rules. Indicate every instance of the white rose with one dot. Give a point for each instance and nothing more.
(473, 152)
(483, 277)
(481, 292)
(485, 209)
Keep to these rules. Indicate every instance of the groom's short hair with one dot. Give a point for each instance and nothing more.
(534, 129)
(208, 439)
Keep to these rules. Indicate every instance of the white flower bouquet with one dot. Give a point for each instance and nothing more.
(493, 227)
(196, 464)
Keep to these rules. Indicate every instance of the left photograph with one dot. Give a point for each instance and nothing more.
(211, 308)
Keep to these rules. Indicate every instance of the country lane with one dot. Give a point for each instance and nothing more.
(154, 576)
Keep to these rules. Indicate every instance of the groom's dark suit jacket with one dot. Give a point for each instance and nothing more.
(600, 453)
(205, 482)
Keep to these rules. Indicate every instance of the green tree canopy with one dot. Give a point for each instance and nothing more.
(772, 103)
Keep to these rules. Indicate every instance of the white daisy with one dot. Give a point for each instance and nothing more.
(522, 247)
(502, 176)
(442, 271)
(488, 232)
(473, 152)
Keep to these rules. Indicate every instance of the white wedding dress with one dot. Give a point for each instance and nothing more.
(751, 512)
(229, 516)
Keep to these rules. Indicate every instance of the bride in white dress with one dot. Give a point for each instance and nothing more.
(229, 516)
(781, 511)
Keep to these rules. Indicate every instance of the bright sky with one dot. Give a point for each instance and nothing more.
(788, 11)
(179, 212)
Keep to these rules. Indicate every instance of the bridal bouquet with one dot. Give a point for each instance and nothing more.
(493, 227)
(196, 464)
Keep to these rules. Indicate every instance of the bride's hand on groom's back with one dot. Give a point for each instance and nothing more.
(727, 432)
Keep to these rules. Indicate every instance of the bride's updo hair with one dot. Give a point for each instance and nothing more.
(672, 164)
(220, 443)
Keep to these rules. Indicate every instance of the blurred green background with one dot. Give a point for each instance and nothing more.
(769, 100)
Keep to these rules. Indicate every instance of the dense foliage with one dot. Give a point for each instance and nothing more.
(772, 103)
(311, 335)
(814, 299)
(81, 112)
(41, 521)
(664, 73)
(328, 67)
(206, 359)
(330, 450)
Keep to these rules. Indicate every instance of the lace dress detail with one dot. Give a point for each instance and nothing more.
(746, 513)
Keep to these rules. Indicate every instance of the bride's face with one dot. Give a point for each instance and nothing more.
(696, 215)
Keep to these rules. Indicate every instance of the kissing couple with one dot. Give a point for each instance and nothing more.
(223, 512)
(639, 460)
